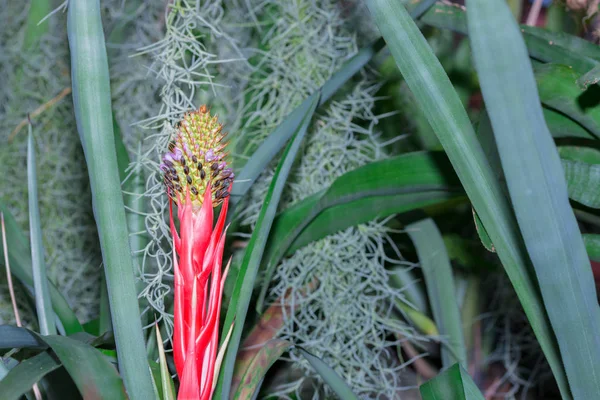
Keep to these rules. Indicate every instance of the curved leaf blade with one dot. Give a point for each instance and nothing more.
(93, 374)
(167, 386)
(19, 254)
(240, 300)
(452, 384)
(441, 291)
(538, 191)
(22, 377)
(91, 371)
(43, 303)
(592, 245)
(259, 365)
(93, 112)
(376, 190)
(589, 78)
(339, 386)
(437, 98)
(583, 182)
(558, 89)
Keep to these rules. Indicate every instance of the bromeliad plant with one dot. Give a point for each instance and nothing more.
(197, 180)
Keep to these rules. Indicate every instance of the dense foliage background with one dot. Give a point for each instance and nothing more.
(416, 195)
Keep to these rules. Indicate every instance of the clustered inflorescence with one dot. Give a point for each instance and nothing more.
(196, 160)
(197, 179)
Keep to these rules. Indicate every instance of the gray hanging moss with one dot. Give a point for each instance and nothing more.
(347, 319)
(36, 76)
(187, 62)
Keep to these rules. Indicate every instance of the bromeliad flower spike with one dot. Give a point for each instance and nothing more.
(197, 180)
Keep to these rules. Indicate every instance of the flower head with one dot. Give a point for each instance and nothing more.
(197, 179)
(196, 160)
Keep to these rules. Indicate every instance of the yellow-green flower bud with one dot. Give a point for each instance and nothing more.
(197, 159)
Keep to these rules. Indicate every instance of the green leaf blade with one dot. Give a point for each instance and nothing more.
(43, 303)
(337, 384)
(93, 112)
(259, 366)
(93, 374)
(22, 377)
(19, 255)
(376, 190)
(452, 384)
(439, 282)
(240, 300)
(538, 191)
(446, 115)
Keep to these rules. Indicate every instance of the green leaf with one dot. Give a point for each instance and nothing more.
(538, 191)
(589, 78)
(561, 47)
(34, 31)
(588, 155)
(92, 105)
(259, 366)
(418, 319)
(592, 245)
(413, 291)
(104, 320)
(484, 237)
(558, 89)
(22, 377)
(240, 300)
(433, 91)
(542, 45)
(335, 382)
(413, 306)
(376, 190)
(94, 376)
(88, 367)
(156, 378)
(562, 126)
(19, 255)
(168, 388)
(583, 182)
(441, 291)
(452, 384)
(12, 337)
(43, 304)
(262, 338)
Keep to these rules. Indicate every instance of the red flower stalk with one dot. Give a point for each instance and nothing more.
(197, 180)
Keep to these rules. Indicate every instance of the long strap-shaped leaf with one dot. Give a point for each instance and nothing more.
(441, 291)
(538, 191)
(452, 384)
(43, 303)
(19, 254)
(335, 382)
(242, 292)
(375, 190)
(444, 111)
(91, 98)
(93, 374)
(22, 377)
